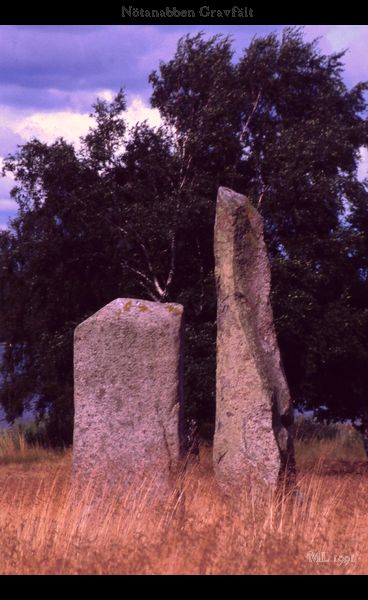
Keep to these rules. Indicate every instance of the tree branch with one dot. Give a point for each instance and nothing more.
(254, 108)
(145, 282)
(260, 198)
(172, 266)
(201, 270)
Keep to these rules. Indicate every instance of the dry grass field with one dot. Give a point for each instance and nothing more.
(47, 527)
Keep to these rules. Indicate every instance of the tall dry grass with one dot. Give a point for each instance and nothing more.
(15, 449)
(47, 526)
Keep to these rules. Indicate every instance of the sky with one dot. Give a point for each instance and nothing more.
(51, 75)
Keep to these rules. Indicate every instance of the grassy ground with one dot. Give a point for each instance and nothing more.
(47, 527)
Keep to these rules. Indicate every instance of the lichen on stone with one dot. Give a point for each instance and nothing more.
(128, 305)
(173, 309)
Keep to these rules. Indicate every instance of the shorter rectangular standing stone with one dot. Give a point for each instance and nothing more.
(128, 390)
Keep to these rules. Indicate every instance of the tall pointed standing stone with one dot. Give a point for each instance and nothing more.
(128, 391)
(253, 405)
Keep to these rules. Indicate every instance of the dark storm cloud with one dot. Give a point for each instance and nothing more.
(34, 60)
(37, 60)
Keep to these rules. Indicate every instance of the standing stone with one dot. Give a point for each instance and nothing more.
(128, 390)
(253, 405)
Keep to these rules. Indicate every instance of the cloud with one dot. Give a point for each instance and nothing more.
(352, 38)
(60, 67)
(20, 126)
(363, 164)
(7, 205)
(6, 184)
(8, 139)
(138, 111)
(40, 65)
(47, 126)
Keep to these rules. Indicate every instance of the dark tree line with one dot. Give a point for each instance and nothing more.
(132, 214)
